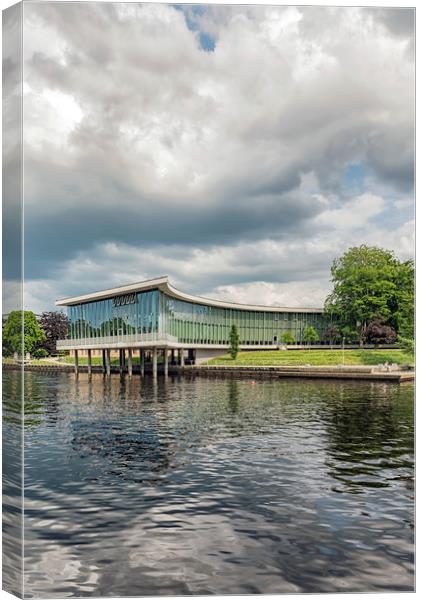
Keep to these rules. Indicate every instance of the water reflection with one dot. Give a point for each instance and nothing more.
(194, 486)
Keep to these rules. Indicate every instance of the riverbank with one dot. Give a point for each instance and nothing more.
(396, 374)
(325, 358)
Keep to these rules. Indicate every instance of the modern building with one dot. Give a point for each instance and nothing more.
(153, 315)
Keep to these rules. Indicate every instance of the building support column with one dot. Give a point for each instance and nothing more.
(104, 362)
(108, 361)
(130, 362)
(172, 357)
(155, 363)
(76, 362)
(142, 363)
(120, 361)
(181, 357)
(192, 356)
(166, 362)
(89, 362)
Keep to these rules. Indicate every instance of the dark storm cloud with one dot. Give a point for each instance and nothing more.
(53, 238)
(400, 21)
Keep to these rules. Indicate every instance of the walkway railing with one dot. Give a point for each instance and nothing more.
(111, 340)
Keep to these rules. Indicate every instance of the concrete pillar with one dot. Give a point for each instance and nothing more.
(130, 362)
(76, 362)
(155, 363)
(89, 362)
(120, 361)
(166, 362)
(142, 363)
(104, 363)
(191, 354)
(108, 361)
(181, 357)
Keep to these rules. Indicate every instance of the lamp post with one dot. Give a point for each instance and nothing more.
(343, 350)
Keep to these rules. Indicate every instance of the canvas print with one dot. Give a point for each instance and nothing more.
(208, 299)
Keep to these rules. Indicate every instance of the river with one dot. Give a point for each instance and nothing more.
(196, 485)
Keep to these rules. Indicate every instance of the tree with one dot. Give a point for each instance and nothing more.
(33, 335)
(55, 325)
(310, 335)
(332, 333)
(376, 332)
(371, 283)
(288, 338)
(404, 303)
(407, 345)
(234, 342)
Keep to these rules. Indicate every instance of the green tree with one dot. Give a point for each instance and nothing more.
(32, 337)
(370, 283)
(234, 342)
(407, 345)
(310, 335)
(403, 305)
(288, 338)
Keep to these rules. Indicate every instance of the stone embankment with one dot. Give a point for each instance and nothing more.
(395, 373)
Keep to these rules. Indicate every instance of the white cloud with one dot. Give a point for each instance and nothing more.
(356, 213)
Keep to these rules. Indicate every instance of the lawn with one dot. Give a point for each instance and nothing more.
(314, 357)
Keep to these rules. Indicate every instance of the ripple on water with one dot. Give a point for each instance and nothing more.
(207, 486)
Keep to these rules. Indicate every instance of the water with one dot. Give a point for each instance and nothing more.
(213, 486)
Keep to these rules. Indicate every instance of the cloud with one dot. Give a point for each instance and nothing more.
(136, 136)
(356, 213)
(273, 272)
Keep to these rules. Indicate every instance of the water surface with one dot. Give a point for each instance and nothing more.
(213, 486)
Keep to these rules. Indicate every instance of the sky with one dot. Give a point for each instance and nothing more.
(237, 149)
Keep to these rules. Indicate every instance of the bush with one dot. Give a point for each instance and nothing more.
(377, 332)
(288, 339)
(40, 353)
(407, 345)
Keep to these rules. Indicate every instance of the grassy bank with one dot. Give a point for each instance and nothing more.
(7, 360)
(314, 358)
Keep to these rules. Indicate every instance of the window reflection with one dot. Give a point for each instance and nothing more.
(153, 311)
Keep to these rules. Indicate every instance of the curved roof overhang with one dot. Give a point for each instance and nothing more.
(163, 284)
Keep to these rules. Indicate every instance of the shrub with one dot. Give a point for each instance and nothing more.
(288, 338)
(40, 353)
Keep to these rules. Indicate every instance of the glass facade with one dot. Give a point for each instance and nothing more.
(112, 317)
(191, 323)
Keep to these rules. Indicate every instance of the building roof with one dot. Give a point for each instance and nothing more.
(163, 284)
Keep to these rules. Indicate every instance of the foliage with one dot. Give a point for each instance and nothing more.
(403, 313)
(318, 357)
(332, 333)
(55, 325)
(376, 332)
(407, 345)
(40, 353)
(310, 335)
(7, 348)
(370, 283)
(287, 338)
(33, 335)
(234, 340)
